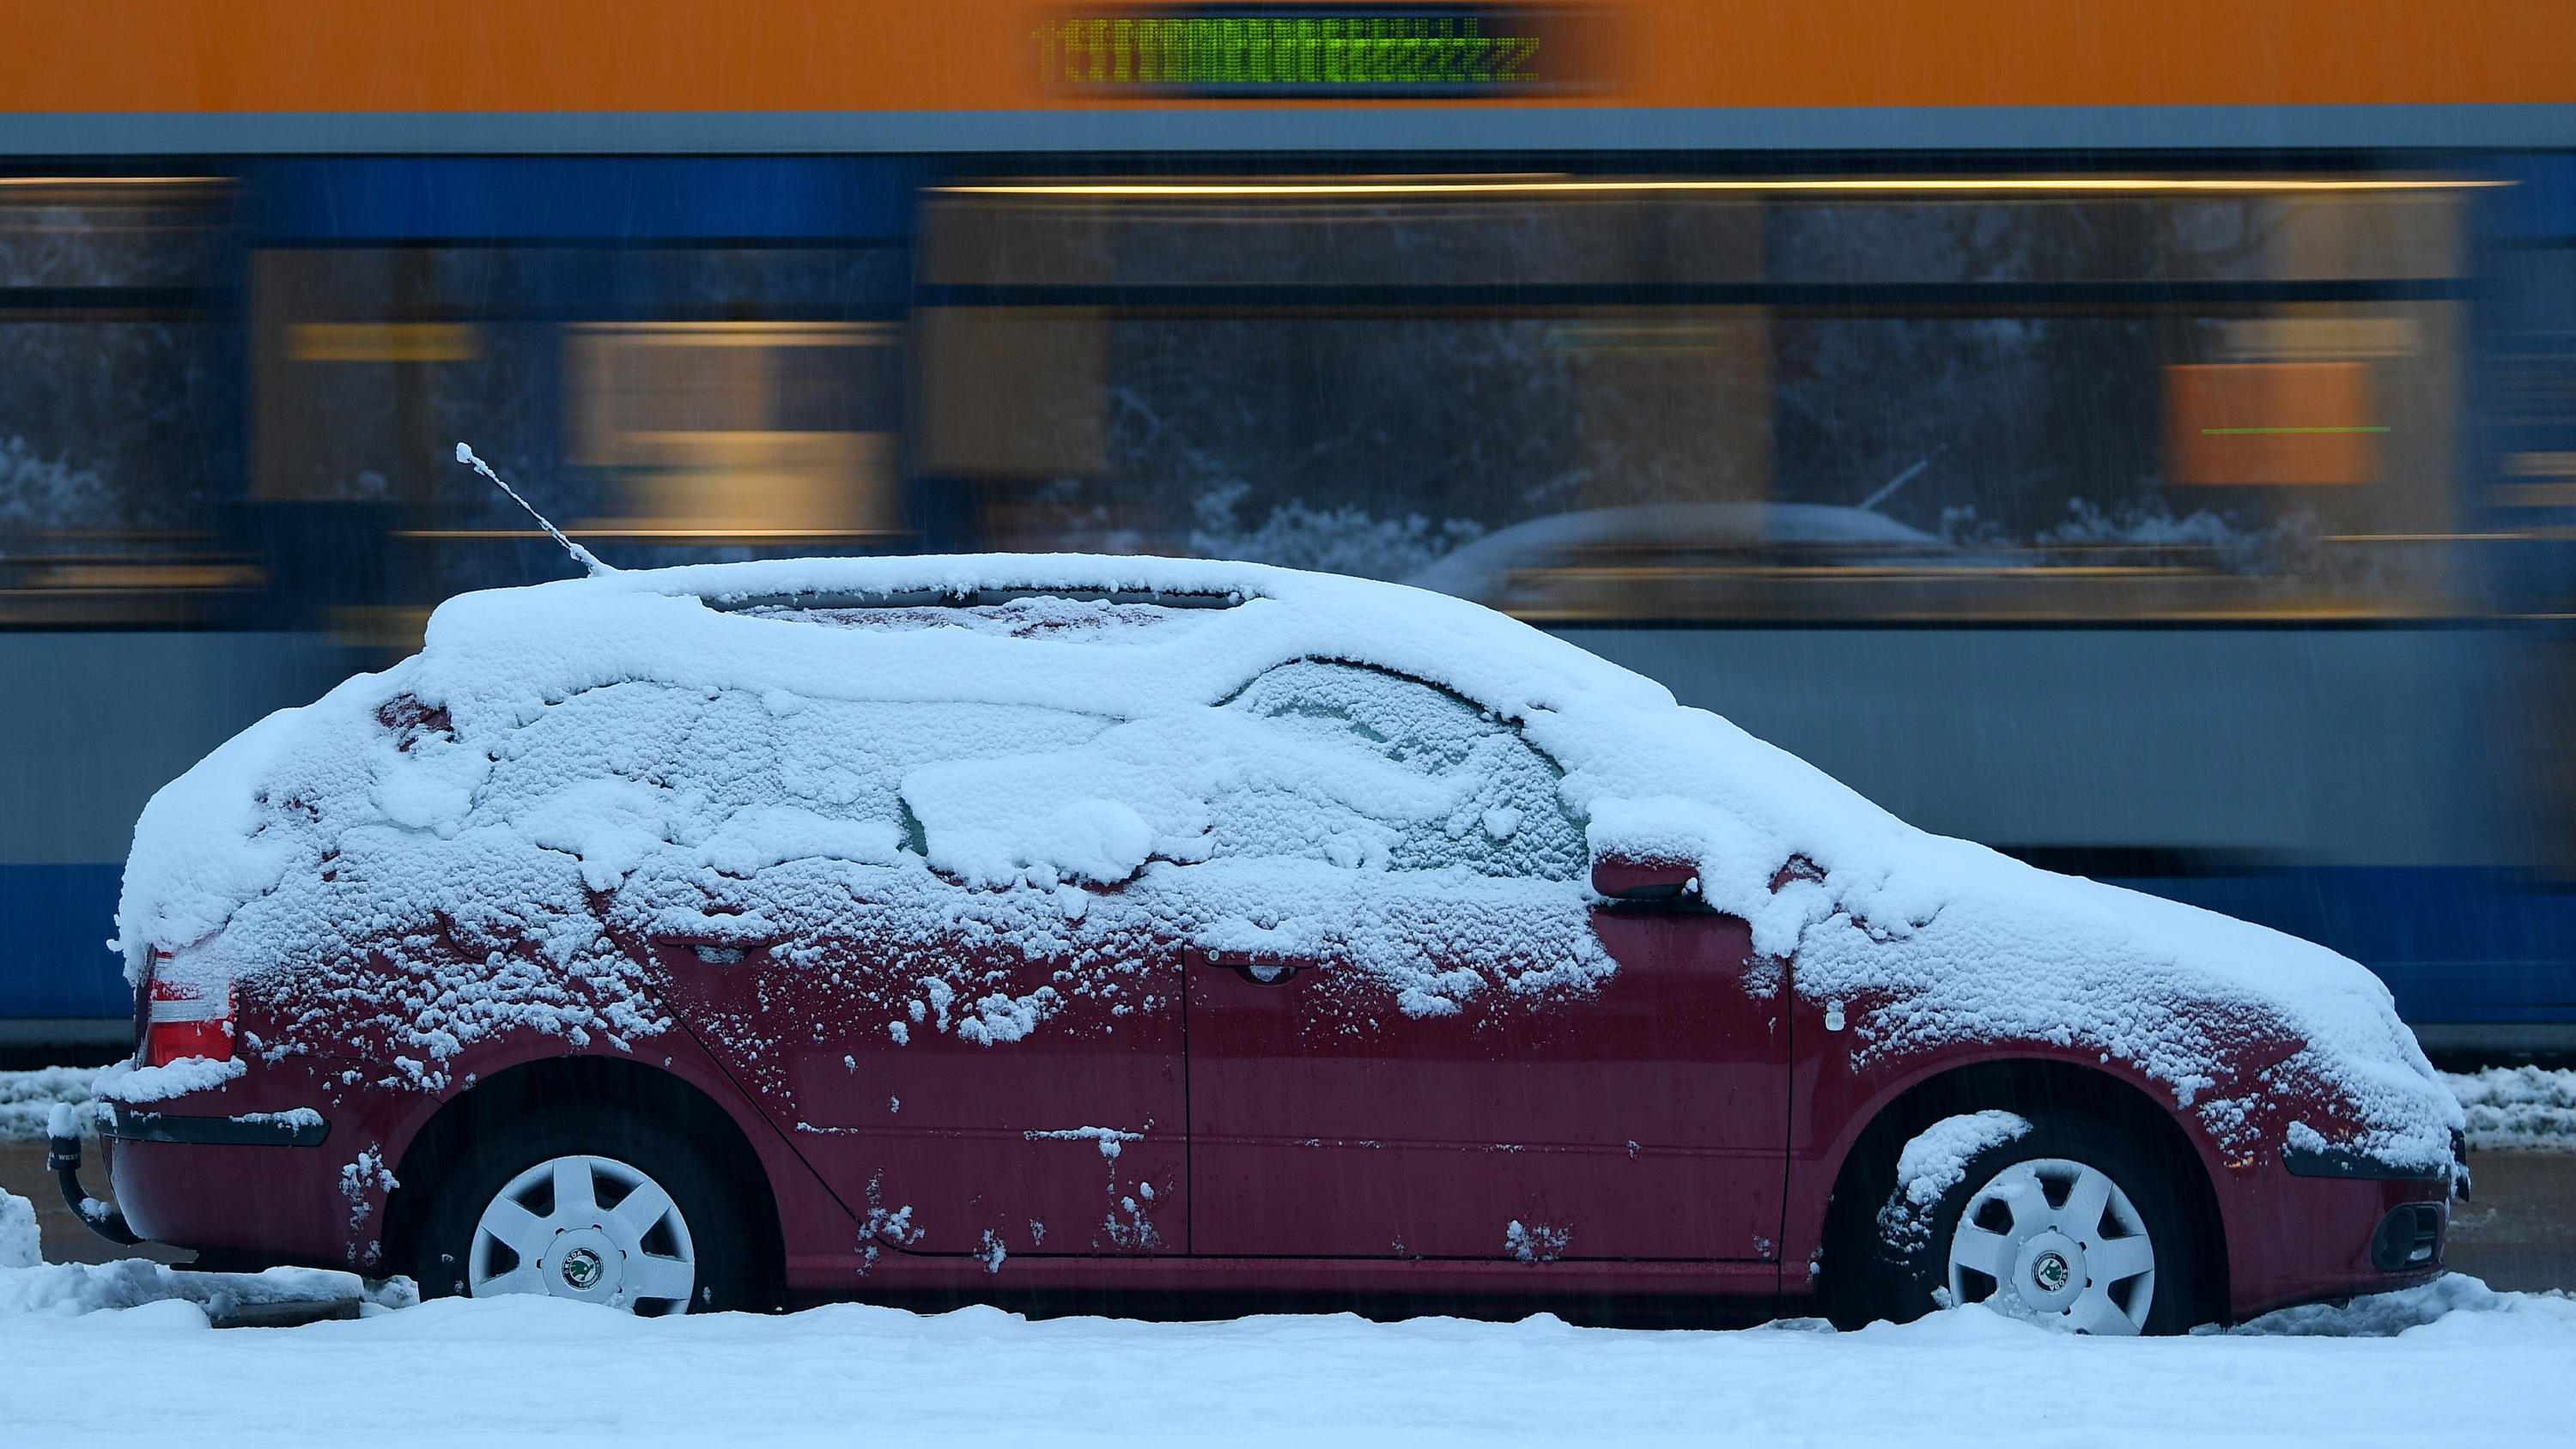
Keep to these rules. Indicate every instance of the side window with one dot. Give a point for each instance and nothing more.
(741, 781)
(1375, 770)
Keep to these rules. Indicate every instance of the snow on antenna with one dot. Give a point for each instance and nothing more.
(583, 556)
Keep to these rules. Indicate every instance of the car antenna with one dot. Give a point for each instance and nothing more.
(1873, 500)
(582, 556)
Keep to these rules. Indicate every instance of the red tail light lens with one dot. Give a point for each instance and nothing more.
(185, 1020)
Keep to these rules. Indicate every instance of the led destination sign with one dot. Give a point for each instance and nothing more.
(1262, 51)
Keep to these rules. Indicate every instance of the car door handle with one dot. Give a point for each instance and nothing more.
(1256, 969)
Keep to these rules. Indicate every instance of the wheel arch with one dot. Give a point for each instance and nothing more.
(1866, 1173)
(548, 1083)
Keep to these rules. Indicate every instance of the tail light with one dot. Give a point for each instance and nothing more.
(190, 1018)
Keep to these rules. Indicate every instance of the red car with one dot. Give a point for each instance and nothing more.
(710, 937)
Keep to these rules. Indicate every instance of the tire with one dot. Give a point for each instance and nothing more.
(2029, 1246)
(661, 1233)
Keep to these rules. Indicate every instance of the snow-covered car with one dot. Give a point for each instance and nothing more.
(705, 937)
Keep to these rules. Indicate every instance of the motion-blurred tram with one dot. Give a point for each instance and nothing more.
(2142, 442)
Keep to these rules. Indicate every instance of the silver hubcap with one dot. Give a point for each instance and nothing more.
(2057, 1240)
(589, 1228)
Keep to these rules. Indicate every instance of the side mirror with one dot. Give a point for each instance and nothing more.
(1632, 878)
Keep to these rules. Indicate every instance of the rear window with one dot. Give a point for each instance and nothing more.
(1035, 617)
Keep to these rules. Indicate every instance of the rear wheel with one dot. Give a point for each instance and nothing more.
(594, 1204)
(2070, 1223)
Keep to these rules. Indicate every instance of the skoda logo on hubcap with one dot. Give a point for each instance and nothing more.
(2048, 1270)
(582, 1268)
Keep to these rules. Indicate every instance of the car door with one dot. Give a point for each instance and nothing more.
(1413, 1034)
(923, 1042)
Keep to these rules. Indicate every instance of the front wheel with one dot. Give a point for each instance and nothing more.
(2054, 1239)
(596, 1205)
(2069, 1223)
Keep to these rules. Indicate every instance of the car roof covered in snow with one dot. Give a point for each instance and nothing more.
(724, 625)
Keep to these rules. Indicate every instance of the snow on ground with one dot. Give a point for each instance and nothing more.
(2509, 1108)
(2469, 1366)
(26, 1098)
(2450, 1362)
(21, 1242)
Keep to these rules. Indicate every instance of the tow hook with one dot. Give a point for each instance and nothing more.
(63, 1159)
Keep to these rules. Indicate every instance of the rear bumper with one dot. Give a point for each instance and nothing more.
(279, 1165)
(274, 1203)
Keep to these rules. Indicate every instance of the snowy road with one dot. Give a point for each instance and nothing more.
(2492, 1370)
(2450, 1365)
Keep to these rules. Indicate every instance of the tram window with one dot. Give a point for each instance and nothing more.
(1020, 392)
(738, 430)
(2158, 465)
(113, 402)
(1050, 238)
(1738, 404)
(146, 231)
(666, 404)
(2241, 237)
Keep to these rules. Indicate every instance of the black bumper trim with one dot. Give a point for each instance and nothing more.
(2409, 1239)
(256, 1130)
(2345, 1163)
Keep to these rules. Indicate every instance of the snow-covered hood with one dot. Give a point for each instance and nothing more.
(1923, 940)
